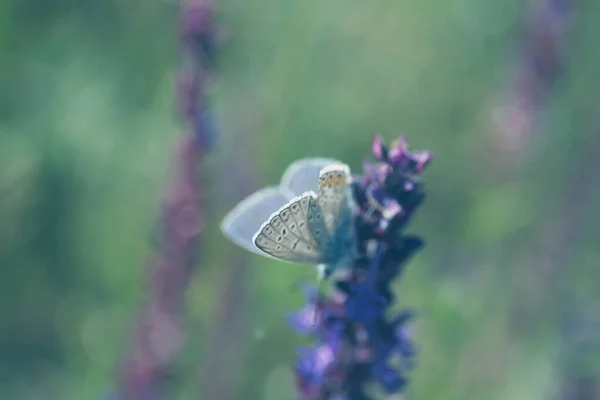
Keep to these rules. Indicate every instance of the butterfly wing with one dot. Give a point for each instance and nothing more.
(286, 234)
(302, 175)
(332, 194)
(318, 229)
(296, 231)
(240, 224)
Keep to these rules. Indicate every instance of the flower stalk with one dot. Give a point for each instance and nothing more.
(159, 331)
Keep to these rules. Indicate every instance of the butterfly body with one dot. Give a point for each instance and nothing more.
(342, 250)
(314, 227)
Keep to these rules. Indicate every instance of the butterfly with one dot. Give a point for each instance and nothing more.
(307, 219)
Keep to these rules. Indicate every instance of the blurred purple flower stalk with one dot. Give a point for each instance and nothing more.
(538, 68)
(356, 343)
(159, 331)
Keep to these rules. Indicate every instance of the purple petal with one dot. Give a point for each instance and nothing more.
(369, 172)
(392, 209)
(324, 357)
(304, 321)
(398, 152)
(384, 202)
(313, 363)
(422, 159)
(304, 363)
(397, 156)
(378, 149)
(391, 380)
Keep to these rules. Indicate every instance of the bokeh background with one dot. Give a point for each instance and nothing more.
(506, 93)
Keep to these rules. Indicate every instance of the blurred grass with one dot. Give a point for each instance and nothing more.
(86, 129)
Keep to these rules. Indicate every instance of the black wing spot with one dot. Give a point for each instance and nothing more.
(318, 216)
(284, 231)
(317, 232)
(278, 247)
(301, 224)
(279, 238)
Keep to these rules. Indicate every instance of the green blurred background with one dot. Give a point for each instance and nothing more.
(507, 289)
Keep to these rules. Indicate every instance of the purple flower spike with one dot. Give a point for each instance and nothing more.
(355, 342)
(158, 334)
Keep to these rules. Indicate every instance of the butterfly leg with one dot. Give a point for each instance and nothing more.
(324, 272)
